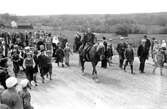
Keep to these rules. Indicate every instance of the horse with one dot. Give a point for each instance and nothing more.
(94, 54)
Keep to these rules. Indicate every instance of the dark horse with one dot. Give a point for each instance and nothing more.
(93, 55)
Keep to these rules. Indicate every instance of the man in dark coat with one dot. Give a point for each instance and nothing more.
(104, 61)
(129, 56)
(142, 54)
(147, 45)
(121, 50)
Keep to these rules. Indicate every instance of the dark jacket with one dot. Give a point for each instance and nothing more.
(129, 54)
(148, 44)
(121, 48)
(142, 52)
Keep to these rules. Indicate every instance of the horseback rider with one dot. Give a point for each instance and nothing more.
(89, 39)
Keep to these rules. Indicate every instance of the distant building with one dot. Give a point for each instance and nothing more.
(13, 24)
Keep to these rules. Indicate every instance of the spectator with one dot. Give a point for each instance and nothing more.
(60, 56)
(10, 97)
(25, 94)
(129, 56)
(67, 51)
(121, 50)
(143, 55)
(29, 65)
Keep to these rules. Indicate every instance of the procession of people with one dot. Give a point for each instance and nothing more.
(33, 52)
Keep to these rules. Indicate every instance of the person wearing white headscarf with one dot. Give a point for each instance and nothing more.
(67, 52)
(10, 97)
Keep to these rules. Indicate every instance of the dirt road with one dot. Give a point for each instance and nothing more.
(117, 89)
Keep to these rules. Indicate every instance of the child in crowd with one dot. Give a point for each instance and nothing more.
(129, 56)
(29, 65)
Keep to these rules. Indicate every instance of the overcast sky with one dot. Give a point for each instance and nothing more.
(53, 7)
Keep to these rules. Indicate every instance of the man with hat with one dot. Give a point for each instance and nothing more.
(121, 50)
(10, 97)
(89, 39)
(142, 53)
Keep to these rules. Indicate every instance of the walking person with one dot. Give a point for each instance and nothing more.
(104, 61)
(67, 52)
(29, 65)
(121, 50)
(147, 45)
(129, 56)
(35, 57)
(60, 56)
(15, 59)
(143, 55)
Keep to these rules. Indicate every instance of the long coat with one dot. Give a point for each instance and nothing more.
(142, 52)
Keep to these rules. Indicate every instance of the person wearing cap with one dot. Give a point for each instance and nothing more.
(121, 50)
(129, 56)
(25, 94)
(10, 96)
(142, 53)
(29, 65)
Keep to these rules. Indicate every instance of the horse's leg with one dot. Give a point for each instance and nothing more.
(50, 72)
(154, 69)
(94, 73)
(82, 65)
(161, 70)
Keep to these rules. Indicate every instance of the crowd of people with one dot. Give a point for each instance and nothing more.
(33, 52)
(30, 53)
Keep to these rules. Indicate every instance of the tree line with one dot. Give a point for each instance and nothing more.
(153, 23)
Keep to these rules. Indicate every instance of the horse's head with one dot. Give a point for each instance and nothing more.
(100, 51)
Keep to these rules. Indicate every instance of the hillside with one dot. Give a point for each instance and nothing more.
(130, 23)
